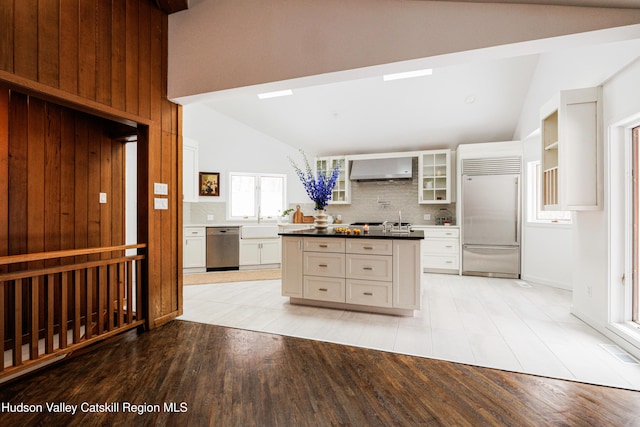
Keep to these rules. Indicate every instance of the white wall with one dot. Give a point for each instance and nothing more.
(226, 145)
(572, 69)
(546, 248)
(595, 272)
(615, 67)
(131, 202)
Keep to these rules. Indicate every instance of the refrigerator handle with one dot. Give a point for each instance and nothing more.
(518, 208)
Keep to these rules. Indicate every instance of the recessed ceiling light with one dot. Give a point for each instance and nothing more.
(407, 74)
(276, 94)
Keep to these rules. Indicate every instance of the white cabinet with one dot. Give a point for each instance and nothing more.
(407, 274)
(259, 251)
(342, 191)
(292, 266)
(434, 177)
(440, 249)
(374, 274)
(194, 249)
(571, 130)
(189, 170)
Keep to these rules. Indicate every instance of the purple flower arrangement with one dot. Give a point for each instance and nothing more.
(319, 187)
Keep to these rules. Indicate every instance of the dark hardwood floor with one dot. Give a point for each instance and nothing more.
(229, 377)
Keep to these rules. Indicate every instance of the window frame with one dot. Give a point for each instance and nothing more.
(257, 202)
(534, 200)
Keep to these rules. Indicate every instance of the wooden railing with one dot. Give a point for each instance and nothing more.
(57, 302)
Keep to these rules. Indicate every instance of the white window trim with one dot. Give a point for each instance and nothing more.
(619, 323)
(256, 197)
(534, 199)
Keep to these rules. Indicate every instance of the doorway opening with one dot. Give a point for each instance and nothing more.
(635, 304)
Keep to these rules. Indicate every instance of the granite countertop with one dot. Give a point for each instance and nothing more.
(372, 234)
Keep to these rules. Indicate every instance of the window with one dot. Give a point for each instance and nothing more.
(534, 197)
(254, 196)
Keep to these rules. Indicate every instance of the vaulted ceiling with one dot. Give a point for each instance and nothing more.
(474, 96)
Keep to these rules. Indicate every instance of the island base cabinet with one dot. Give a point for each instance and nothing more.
(372, 275)
(292, 266)
(407, 274)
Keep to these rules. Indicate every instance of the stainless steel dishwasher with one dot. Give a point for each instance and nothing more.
(223, 248)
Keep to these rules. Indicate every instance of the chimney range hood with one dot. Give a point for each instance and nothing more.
(381, 169)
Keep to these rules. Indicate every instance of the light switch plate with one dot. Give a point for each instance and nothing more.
(427, 217)
(103, 198)
(160, 188)
(160, 204)
(210, 217)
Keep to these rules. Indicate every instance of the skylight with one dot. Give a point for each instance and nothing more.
(407, 74)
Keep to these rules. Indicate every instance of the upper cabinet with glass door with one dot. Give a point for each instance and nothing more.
(342, 191)
(434, 177)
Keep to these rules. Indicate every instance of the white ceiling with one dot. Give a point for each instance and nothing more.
(473, 102)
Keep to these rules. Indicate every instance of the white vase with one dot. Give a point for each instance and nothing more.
(321, 221)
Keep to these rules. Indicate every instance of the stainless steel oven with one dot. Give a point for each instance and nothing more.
(223, 248)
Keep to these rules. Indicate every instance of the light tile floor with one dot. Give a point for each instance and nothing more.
(497, 323)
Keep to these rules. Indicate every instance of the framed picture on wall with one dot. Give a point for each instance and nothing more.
(209, 183)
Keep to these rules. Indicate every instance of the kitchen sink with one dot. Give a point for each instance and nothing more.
(262, 231)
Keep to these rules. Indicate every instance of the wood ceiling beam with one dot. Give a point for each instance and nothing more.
(172, 6)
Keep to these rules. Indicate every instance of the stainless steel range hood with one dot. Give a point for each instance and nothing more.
(381, 169)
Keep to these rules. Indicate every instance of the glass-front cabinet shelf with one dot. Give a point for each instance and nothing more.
(342, 191)
(434, 177)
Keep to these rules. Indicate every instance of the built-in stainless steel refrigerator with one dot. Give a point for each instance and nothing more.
(491, 219)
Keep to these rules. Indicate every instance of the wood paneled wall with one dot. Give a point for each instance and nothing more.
(107, 58)
(59, 162)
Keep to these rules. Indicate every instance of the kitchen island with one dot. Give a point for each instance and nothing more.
(377, 271)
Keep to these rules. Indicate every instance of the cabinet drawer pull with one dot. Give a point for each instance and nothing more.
(367, 247)
(449, 234)
(323, 246)
(449, 262)
(367, 268)
(322, 289)
(368, 294)
(322, 265)
(448, 246)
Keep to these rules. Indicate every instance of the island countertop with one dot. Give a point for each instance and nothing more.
(371, 234)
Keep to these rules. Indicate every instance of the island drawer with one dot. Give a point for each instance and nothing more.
(318, 244)
(370, 246)
(375, 267)
(366, 292)
(328, 265)
(324, 288)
